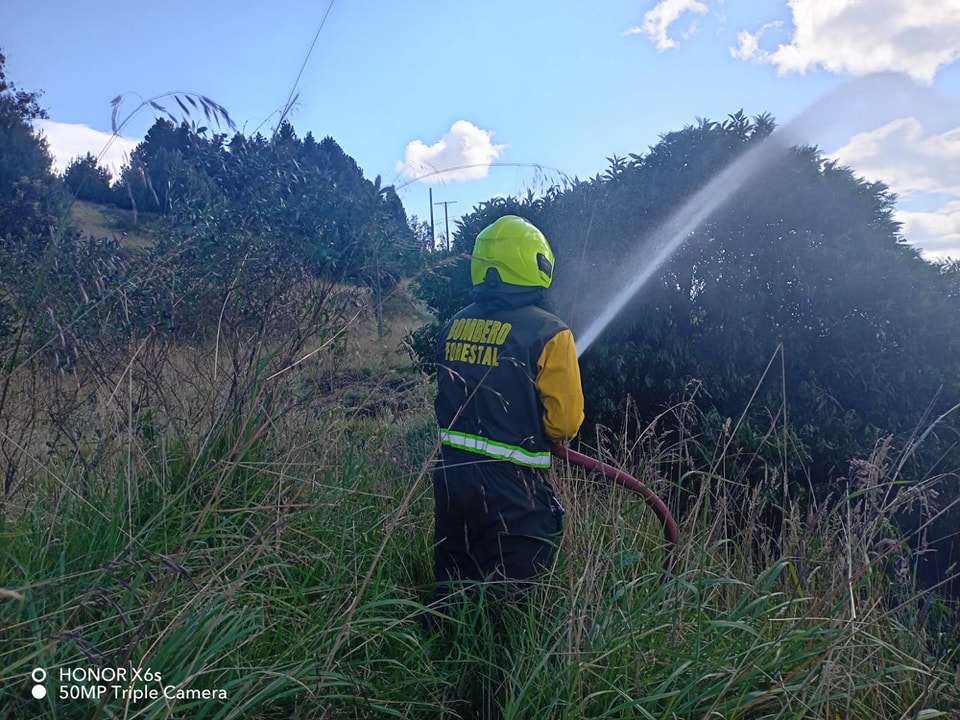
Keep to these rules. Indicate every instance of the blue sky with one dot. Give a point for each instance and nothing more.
(525, 91)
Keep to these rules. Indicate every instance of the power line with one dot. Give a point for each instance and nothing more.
(293, 90)
(433, 173)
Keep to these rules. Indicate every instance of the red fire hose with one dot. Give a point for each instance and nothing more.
(670, 532)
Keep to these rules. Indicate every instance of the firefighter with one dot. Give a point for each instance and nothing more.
(508, 386)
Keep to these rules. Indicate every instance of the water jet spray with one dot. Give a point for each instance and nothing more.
(679, 226)
(871, 96)
(844, 102)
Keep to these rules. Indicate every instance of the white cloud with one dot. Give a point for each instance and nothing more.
(936, 233)
(68, 141)
(465, 152)
(923, 169)
(748, 44)
(906, 157)
(657, 21)
(860, 37)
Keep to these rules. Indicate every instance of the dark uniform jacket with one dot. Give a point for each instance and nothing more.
(508, 380)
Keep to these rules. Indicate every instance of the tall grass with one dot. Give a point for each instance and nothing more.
(274, 544)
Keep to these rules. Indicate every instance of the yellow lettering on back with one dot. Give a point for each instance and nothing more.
(485, 333)
(475, 341)
(487, 356)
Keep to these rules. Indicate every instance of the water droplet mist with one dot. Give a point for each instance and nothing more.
(875, 97)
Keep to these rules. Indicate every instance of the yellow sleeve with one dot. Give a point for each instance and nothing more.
(558, 382)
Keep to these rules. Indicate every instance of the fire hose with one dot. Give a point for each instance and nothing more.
(670, 532)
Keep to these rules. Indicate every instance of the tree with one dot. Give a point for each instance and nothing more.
(87, 180)
(171, 163)
(272, 210)
(24, 153)
(29, 193)
(51, 280)
(421, 233)
(392, 251)
(31, 202)
(804, 266)
(805, 257)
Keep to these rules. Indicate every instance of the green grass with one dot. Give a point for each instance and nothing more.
(281, 558)
(244, 594)
(95, 220)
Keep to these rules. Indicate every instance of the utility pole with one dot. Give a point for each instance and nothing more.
(446, 219)
(433, 234)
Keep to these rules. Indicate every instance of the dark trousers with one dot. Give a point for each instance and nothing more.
(494, 520)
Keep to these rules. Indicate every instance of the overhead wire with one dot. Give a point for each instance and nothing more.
(293, 90)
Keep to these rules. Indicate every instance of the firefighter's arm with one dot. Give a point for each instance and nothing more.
(558, 382)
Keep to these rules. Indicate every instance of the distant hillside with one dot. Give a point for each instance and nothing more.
(110, 221)
(403, 313)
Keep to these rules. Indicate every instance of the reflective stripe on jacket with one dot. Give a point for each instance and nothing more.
(508, 383)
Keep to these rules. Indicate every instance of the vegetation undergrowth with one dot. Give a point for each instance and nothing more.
(277, 557)
(216, 492)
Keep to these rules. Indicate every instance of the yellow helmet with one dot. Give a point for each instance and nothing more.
(517, 250)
